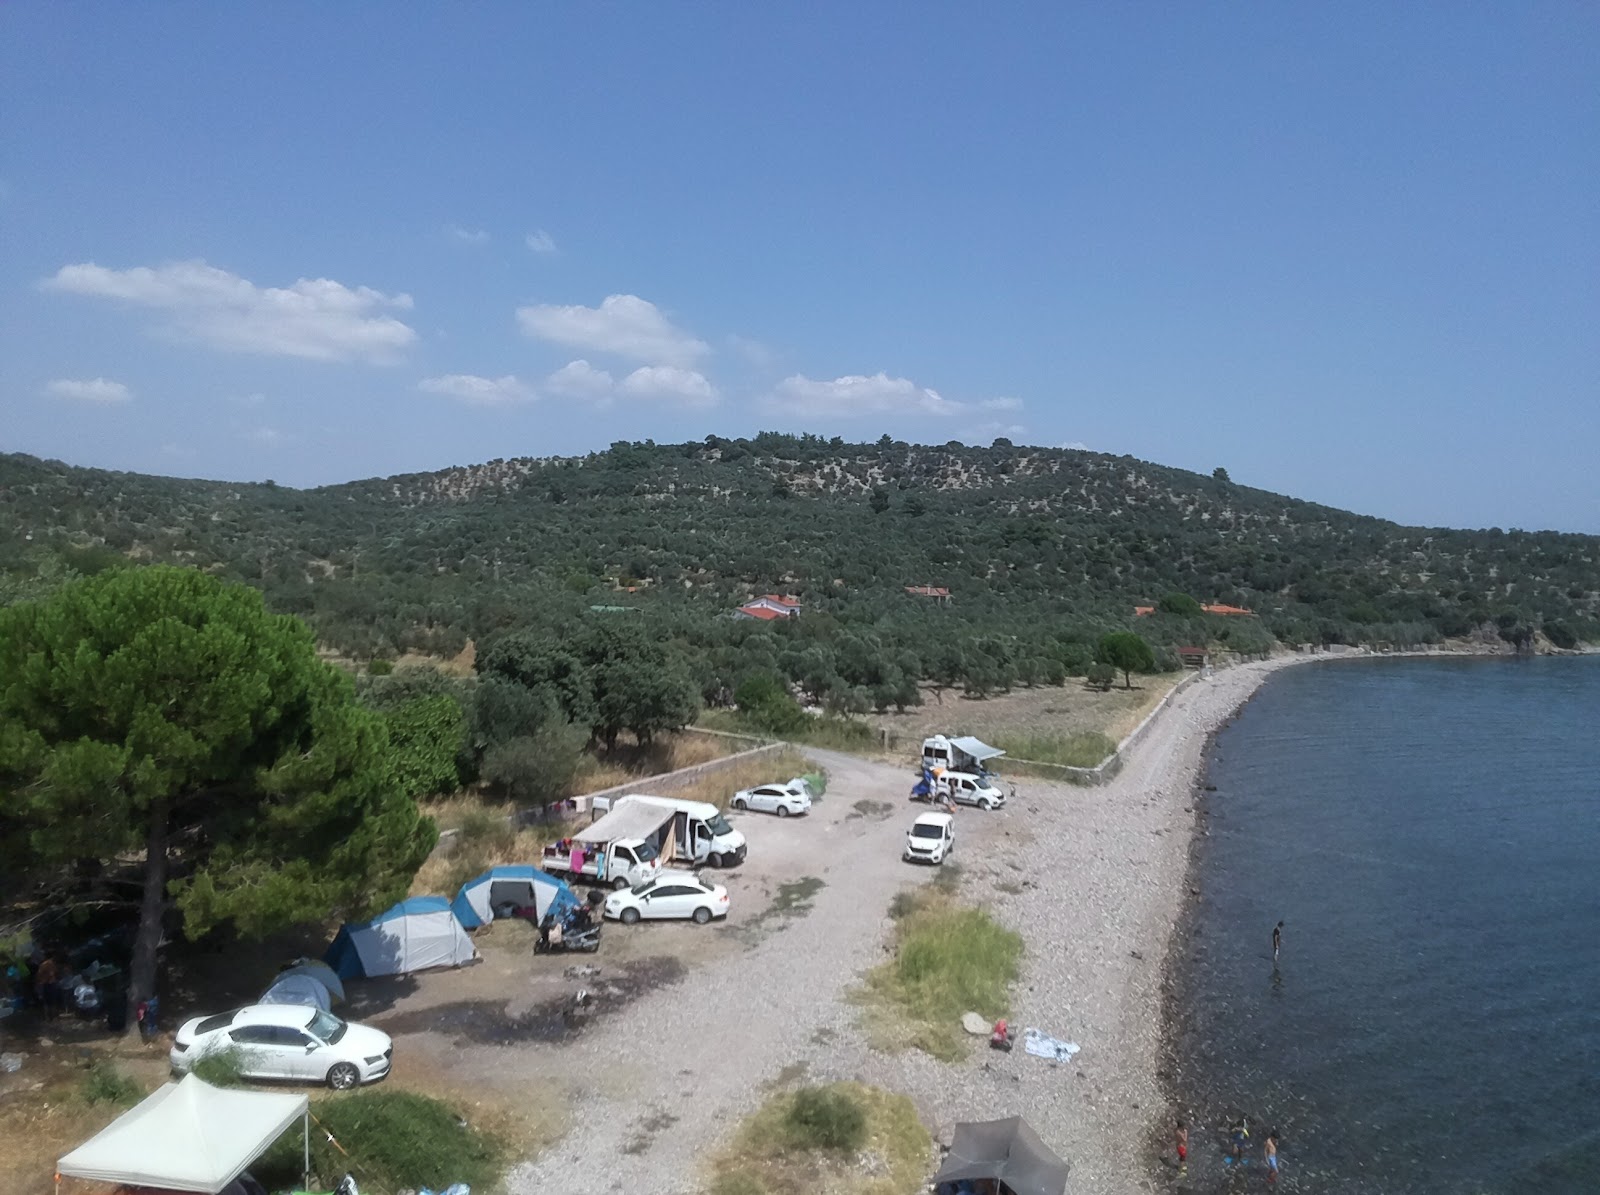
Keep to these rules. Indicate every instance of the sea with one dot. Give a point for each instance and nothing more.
(1428, 832)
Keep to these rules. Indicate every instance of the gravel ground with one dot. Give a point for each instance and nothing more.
(659, 1086)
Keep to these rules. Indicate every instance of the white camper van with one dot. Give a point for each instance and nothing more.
(698, 834)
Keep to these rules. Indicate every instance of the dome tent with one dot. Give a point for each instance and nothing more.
(517, 884)
(297, 989)
(414, 935)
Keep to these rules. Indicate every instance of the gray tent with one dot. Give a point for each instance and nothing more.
(1007, 1151)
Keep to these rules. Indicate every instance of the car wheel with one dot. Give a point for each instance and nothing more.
(783, 811)
(702, 915)
(988, 806)
(620, 883)
(343, 1077)
(715, 860)
(742, 806)
(630, 917)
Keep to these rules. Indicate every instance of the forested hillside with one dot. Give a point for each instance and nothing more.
(1041, 549)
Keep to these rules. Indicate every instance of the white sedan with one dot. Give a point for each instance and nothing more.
(671, 894)
(782, 799)
(286, 1041)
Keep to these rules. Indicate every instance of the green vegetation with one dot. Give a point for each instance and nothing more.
(163, 721)
(391, 1140)
(1087, 749)
(1101, 676)
(947, 960)
(1126, 652)
(221, 1068)
(844, 1136)
(105, 1083)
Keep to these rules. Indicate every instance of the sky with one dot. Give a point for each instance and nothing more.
(1348, 252)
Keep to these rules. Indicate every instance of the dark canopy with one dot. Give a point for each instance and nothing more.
(1007, 1150)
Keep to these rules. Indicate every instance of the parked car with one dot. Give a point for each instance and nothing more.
(931, 839)
(671, 894)
(287, 1041)
(782, 799)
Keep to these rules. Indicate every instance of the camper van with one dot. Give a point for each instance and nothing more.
(697, 833)
(963, 754)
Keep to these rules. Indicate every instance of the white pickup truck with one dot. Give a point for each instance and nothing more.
(619, 849)
(693, 833)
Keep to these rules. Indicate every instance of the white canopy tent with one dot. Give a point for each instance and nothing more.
(187, 1136)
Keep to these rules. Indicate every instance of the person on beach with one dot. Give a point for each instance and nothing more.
(1277, 942)
(1269, 1154)
(1181, 1139)
(1241, 1141)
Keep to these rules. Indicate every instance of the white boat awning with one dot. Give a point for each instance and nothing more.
(186, 1136)
(977, 748)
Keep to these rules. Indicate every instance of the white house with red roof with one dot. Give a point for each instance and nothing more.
(770, 606)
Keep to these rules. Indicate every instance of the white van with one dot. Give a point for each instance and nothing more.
(699, 833)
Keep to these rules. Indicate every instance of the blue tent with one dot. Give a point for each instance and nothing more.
(414, 935)
(520, 885)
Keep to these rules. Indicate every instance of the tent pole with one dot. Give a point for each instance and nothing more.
(305, 1138)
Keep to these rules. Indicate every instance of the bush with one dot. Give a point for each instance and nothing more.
(221, 1068)
(826, 1118)
(1180, 604)
(380, 667)
(764, 702)
(106, 1084)
(1561, 635)
(391, 1139)
(1100, 676)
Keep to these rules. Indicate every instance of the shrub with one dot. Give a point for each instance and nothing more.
(826, 1118)
(1100, 676)
(1561, 635)
(392, 1139)
(221, 1068)
(104, 1083)
(764, 702)
(380, 667)
(1180, 604)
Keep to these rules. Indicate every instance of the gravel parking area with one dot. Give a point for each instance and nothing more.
(692, 1027)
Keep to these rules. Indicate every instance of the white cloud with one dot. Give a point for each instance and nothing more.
(466, 236)
(579, 379)
(1001, 404)
(671, 383)
(481, 391)
(89, 390)
(267, 437)
(316, 318)
(540, 241)
(857, 395)
(625, 325)
(753, 351)
(1076, 446)
(989, 431)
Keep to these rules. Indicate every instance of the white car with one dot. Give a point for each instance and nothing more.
(782, 799)
(671, 894)
(968, 789)
(931, 839)
(287, 1041)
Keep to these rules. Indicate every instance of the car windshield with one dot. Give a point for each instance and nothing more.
(927, 831)
(646, 852)
(719, 825)
(326, 1026)
(641, 889)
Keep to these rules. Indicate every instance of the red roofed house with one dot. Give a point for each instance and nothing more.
(1234, 610)
(1143, 611)
(937, 592)
(769, 606)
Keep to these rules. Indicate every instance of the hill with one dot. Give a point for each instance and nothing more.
(1041, 549)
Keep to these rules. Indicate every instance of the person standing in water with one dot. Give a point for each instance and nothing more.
(1269, 1154)
(1181, 1139)
(1277, 942)
(1241, 1141)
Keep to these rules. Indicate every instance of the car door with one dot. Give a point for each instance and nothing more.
(668, 900)
(252, 1045)
(766, 799)
(303, 1056)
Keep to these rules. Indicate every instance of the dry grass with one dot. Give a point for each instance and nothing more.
(768, 1156)
(1044, 713)
(629, 760)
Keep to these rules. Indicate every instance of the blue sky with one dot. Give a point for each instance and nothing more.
(1350, 252)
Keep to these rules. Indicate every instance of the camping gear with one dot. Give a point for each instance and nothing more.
(321, 972)
(514, 886)
(570, 929)
(1002, 1036)
(1005, 1151)
(186, 1136)
(297, 989)
(414, 935)
(1042, 1046)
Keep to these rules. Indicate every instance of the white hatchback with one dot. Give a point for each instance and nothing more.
(287, 1041)
(782, 799)
(931, 839)
(671, 894)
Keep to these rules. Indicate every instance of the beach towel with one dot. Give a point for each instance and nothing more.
(1038, 1044)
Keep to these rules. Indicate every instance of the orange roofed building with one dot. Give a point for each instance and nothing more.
(770, 606)
(1231, 611)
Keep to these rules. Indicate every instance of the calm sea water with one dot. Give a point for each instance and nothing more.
(1429, 832)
